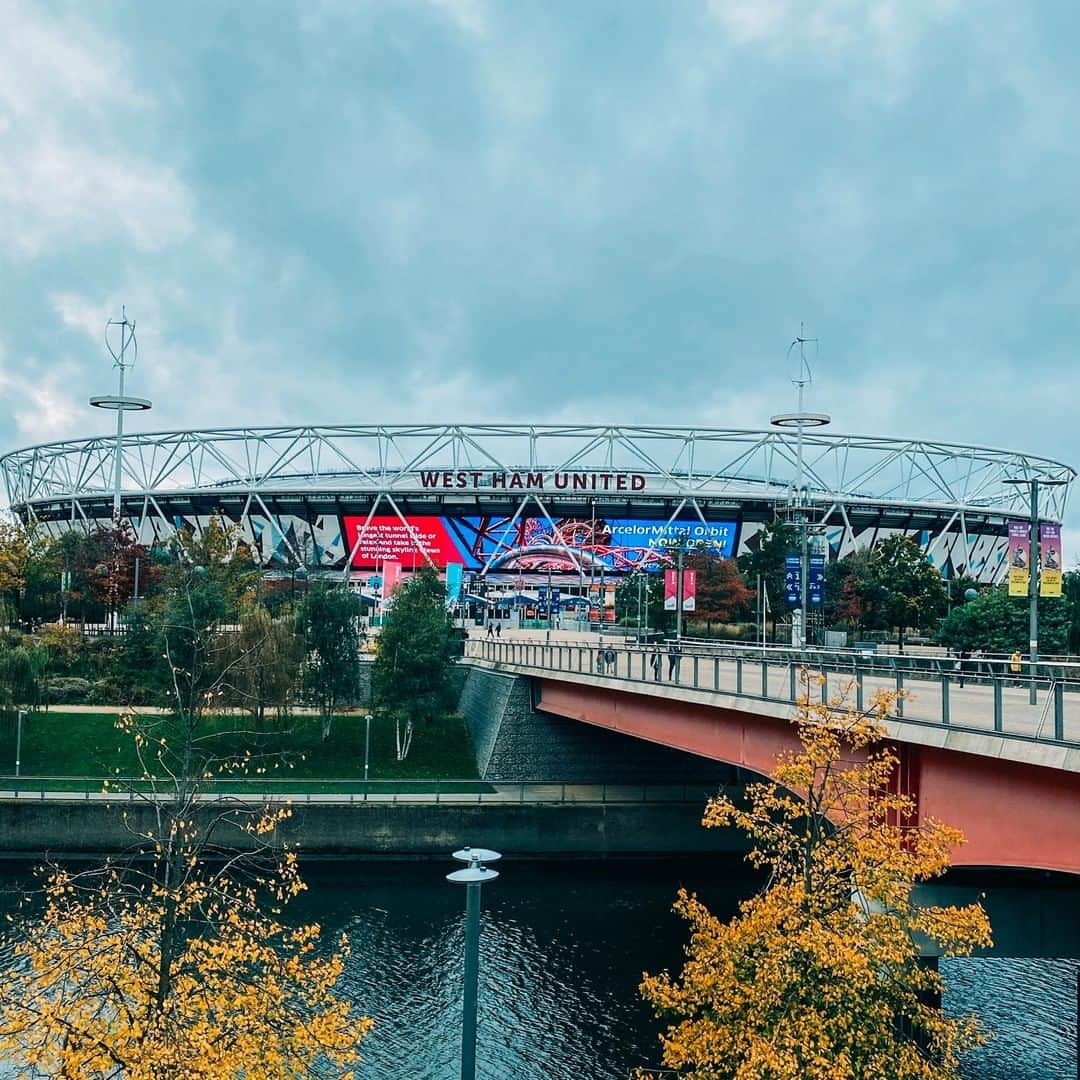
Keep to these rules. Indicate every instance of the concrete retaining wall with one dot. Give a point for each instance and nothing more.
(57, 828)
(514, 741)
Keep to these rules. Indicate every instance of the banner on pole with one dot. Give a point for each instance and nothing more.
(792, 580)
(1049, 559)
(391, 578)
(671, 590)
(454, 572)
(815, 587)
(689, 590)
(1019, 558)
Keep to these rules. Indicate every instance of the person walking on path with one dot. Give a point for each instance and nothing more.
(674, 653)
(657, 662)
(490, 630)
(609, 660)
(1016, 664)
(498, 630)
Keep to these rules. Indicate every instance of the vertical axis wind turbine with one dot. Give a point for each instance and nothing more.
(124, 354)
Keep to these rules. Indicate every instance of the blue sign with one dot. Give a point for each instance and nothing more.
(556, 601)
(453, 582)
(815, 591)
(793, 580)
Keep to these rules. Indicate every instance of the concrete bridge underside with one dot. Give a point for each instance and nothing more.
(1013, 813)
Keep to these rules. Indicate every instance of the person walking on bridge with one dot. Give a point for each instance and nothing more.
(657, 663)
(1016, 664)
(674, 654)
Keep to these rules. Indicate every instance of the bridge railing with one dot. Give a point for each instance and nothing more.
(247, 790)
(986, 696)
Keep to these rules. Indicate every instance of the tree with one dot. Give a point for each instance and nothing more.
(775, 540)
(914, 594)
(854, 596)
(263, 659)
(721, 592)
(1070, 582)
(22, 674)
(173, 962)
(328, 621)
(998, 623)
(819, 976)
(14, 556)
(124, 565)
(411, 677)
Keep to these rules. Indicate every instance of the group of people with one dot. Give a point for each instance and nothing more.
(971, 664)
(607, 661)
(494, 630)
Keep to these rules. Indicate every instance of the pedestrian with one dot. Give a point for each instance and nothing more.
(977, 662)
(960, 655)
(1016, 663)
(498, 630)
(674, 653)
(490, 630)
(609, 660)
(657, 662)
(600, 660)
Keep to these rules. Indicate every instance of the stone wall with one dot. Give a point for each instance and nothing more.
(514, 741)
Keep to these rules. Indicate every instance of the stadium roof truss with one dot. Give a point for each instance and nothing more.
(691, 463)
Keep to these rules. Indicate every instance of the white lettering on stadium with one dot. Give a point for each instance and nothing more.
(451, 480)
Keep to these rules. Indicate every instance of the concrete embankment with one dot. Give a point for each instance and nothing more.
(53, 827)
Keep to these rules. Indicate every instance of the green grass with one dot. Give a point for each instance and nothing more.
(57, 743)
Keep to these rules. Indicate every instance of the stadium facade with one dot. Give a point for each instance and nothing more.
(527, 500)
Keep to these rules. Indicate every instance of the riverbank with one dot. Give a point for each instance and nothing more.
(84, 743)
(568, 829)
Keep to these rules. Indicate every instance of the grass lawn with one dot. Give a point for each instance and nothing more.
(56, 743)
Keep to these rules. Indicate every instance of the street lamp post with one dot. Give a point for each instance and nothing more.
(120, 402)
(799, 420)
(18, 742)
(472, 877)
(1034, 572)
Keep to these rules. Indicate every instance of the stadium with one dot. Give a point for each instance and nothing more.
(524, 503)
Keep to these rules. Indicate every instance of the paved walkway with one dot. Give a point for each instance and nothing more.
(970, 706)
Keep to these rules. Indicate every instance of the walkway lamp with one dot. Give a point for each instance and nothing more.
(797, 503)
(472, 877)
(123, 352)
(1035, 570)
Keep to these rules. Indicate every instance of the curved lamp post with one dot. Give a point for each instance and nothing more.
(472, 877)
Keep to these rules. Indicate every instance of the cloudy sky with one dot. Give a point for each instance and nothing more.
(429, 210)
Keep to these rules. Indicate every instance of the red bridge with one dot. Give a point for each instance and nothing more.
(972, 750)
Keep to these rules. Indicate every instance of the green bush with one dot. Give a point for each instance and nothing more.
(67, 690)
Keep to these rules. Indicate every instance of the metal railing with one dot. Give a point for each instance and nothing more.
(350, 791)
(979, 695)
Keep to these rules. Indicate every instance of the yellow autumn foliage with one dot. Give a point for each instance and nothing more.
(820, 977)
(98, 986)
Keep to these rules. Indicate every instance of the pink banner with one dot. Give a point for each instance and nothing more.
(391, 579)
(671, 590)
(689, 590)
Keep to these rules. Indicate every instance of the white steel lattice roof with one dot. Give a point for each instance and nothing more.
(692, 463)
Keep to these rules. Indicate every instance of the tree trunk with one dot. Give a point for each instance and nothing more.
(327, 720)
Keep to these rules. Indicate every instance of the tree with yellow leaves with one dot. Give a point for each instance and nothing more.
(176, 961)
(820, 976)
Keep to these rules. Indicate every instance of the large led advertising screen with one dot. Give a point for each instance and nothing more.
(495, 543)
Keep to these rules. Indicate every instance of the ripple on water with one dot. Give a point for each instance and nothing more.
(1029, 1005)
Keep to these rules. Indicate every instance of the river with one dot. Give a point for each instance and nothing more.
(563, 946)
